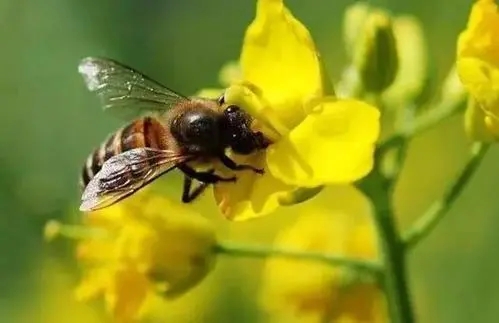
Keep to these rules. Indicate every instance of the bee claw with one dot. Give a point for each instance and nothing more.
(260, 171)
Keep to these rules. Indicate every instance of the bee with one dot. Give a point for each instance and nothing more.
(168, 131)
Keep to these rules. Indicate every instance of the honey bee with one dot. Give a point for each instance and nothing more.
(169, 131)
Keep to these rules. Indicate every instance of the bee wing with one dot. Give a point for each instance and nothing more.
(124, 174)
(125, 91)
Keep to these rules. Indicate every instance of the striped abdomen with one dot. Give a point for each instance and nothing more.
(144, 132)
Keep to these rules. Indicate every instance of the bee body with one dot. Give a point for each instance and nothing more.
(177, 132)
(146, 132)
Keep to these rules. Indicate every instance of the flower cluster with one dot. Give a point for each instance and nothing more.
(478, 68)
(317, 292)
(134, 250)
(317, 138)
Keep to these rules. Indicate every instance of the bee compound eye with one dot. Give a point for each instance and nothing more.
(232, 109)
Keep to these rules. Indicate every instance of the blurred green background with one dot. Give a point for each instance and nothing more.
(49, 123)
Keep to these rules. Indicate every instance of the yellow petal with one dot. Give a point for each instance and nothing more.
(475, 124)
(250, 98)
(492, 124)
(92, 285)
(279, 57)
(480, 39)
(253, 195)
(334, 144)
(338, 221)
(210, 93)
(481, 80)
(126, 295)
(478, 57)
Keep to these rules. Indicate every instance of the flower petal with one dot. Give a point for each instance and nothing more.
(92, 285)
(480, 39)
(279, 56)
(481, 80)
(209, 93)
(253, 195)
(334, 144)
(477, 124)
(127, 294)
(338, 221)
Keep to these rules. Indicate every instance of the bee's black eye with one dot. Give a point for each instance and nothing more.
(232, 108)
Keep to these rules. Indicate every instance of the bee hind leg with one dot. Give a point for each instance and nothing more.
(189, 195)
(229, 163)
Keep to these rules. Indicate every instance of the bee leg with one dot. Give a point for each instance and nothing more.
(188, 195)
(208, 177)
(229, 163)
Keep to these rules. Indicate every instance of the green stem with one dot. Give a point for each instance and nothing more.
(395, 284)
(438, 209)
(266, 252)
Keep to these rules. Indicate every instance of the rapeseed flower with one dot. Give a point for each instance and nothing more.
(317, 139)
(307, 291)
(478, 65)
(141, 247)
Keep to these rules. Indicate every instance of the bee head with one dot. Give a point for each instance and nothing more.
(241, 139)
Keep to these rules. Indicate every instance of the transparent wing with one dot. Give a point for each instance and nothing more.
(125, 91)
(124, 174)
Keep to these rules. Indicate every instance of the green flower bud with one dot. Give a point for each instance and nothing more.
(375, 55)
(353, 24)
(412, 82)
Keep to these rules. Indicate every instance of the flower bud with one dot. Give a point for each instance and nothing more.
(375, 55)
(411, 82)
(51, 230)
(353, 22)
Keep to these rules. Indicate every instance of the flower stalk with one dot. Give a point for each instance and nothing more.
(439, 208)
(396, 285)
(379, 189)
(255, 251)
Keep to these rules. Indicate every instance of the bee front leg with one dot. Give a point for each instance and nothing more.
(208, 177)
(229, 163)
(188, 195)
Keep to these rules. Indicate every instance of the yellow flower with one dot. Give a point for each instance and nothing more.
(142, 246)
(317, 139)
(317, 292)
(478, 60)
